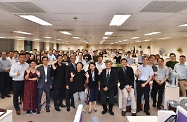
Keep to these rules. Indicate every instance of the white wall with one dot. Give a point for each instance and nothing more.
(35, 45)
(18, 45)
(46, 45)
(105, 46)
(72, 47)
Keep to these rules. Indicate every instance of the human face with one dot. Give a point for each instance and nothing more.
(38, 57)
(79, 67)
(152, 59)
(3, 55)
(22, 59)
(80, 56)
(72, 58)
(144, 61)
(160, 62)
(32, 64)
(108, 65)
(123, 63)
(182, 60)
(11, 54)
(172, 57)
(92, 67)
(65, 57)
(100, 59)
(16, 54)
(128, 54)
(59, 59)
(45, 61)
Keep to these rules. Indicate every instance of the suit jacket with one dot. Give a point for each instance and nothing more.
(126, 78)
(41, 80)
(113, 80)
(91, 82)
(58, 75)
(69, 69)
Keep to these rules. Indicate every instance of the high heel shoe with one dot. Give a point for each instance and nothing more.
(90, 111)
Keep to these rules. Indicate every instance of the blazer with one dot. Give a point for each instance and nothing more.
(91, 82)
(69, 69)
(41, 80)
(58, 75)
(126, 78)
(113, 80)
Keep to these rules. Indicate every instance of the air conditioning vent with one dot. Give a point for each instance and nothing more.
(64, 30)
(127, 30)
(165, 6)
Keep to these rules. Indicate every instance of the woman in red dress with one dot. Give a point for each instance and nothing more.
(30, 88)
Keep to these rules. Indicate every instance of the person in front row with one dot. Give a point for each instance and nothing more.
(44, 84)
(17, 73)
(79, 78)
(126, 79)
(181, 69)
(58, 71)
(93, 85)
(159, 83)
(144, 75)
(108, 84)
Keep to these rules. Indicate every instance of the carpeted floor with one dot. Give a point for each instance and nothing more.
(65, 116)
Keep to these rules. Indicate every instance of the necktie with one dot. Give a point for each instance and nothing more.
(124, 69)
(74, 66)
(107, 78)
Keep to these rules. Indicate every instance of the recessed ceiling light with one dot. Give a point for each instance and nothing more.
(47, 37)
(58, 39)
(165, 38)
(135, 37)
(20, 37)
(152, 33)
(118, 20)
(124, 40)
(111, 43)
(105, 37)
(138, 41)
(22, 32)
(36, 39)
(65, 32)
(35, 19)
(102, 41)
(108, 33)
(183, 25)
(146, 40)
(2, 37)
(76, 37)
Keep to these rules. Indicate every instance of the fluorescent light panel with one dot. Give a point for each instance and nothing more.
(47, 37)
(22, 32)
(105, 37)
(35, 19)
(134, 37)
(102, 41)
(118, 20)
(20, 37)
(76, 37)
(164, 38)
(108, 33)
(183, 25)
(65, 32)
(146, 40)
(152, 33)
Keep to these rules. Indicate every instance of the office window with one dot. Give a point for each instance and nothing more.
(27, 45)
(6, 45)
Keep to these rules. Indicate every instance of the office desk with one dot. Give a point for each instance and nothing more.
(7, 117)
(142, 119)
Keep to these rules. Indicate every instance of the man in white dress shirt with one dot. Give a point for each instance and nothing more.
(51, 56)
(130, 60)
(80, 59)
(100, 64)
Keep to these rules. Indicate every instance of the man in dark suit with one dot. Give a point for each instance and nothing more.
(71, 67)
(126, 79)
(44, 84)
(58, 72)
(108, 79)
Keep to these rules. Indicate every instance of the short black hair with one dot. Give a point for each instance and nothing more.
(129, 52)
(65, 55)
(182, 56)
(33, 61)
(152, 55)
(27, 53)
(21, 54)
(172, 54)
(144, 57)
(44, 57)
(59, 56)
(100, 56)
(16, 51)
(92, 63)
(80, 63)
(108, 61)
(123, 59)
(160, 59)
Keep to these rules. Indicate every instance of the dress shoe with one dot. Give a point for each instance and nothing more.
(154, 105)
(147, 112)
(2, 96)
(104, 111)
(47, 110)
(111, 112)
(133, 114)
(38, 112)
(138, 110)
(73, 106)
(62, 105)
(18, 112)
(123, 113)
(33, 111)
(95, 110)
(57, 109)
(89, 111)
(68, 109)
(7, 95)
(158, 107)
(28, 112)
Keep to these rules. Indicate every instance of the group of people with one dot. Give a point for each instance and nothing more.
(29, 75)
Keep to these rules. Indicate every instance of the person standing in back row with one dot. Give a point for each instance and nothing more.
(144, 75)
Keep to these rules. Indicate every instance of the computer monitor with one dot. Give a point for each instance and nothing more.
(181, 114)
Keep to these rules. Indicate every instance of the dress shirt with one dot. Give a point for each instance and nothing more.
(100, 65)
(4, 63)
(146, 72)
(18, 67)
(51, 57)
(181, 69)
(162, 73)
(130, 60)
(45, 70)
(108, 71)
(93, 76)
(139, 59)
(12, 60)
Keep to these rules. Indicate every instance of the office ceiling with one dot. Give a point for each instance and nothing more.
(93, 19)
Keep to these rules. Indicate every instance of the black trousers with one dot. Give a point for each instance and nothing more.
(69, 95)
(18, 87)
(110, 95)
(59, 94)
(160, 90)
(140, 91)
(4, 83)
